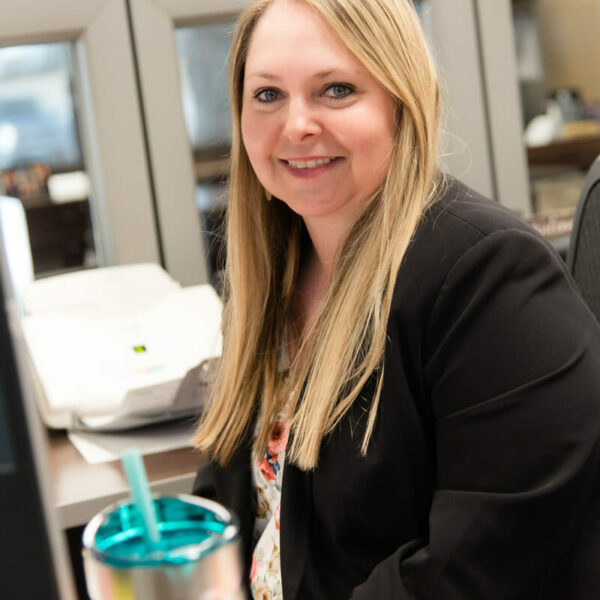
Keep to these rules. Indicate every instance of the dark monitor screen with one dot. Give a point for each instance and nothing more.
(27, 561)
(6, 445)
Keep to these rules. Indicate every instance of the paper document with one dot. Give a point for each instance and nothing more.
(106, 447)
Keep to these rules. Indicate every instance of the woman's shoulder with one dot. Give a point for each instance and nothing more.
(458, 220)
(462, 211)
(462, 222)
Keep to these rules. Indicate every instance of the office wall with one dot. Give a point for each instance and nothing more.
(569, 35)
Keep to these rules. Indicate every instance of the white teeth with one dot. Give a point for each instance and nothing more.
(309, 164)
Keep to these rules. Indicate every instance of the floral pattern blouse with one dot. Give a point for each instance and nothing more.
(265, 573)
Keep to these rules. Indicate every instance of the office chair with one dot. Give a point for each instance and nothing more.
(583, 257)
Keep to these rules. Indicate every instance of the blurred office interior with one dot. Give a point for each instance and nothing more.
(109, 165)
(115, 121)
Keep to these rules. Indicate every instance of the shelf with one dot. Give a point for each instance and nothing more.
(579, 153)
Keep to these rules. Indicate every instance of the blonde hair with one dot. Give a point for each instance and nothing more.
(264, 241)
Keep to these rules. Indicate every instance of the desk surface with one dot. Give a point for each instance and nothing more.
(81, 489)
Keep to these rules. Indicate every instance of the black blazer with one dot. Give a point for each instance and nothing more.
(481, 480)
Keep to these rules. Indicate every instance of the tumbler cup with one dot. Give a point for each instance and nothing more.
(197, 558)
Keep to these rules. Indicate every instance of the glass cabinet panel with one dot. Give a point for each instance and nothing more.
(203, 62)
(423, 8)
(41, 161)
(203, 52)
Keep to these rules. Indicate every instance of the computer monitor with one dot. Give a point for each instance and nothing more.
(33, 558)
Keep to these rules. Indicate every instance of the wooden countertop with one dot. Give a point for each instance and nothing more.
(81, 489)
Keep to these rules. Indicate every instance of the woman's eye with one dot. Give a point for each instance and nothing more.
(337, 91)
(266, 95)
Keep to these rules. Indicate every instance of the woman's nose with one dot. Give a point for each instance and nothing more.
(300, 121)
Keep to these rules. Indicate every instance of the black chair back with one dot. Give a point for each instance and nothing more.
(583, 257)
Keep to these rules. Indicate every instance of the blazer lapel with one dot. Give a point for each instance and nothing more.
(295, 517)
(233, 484)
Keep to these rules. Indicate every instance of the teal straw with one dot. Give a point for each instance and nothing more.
(140, 491)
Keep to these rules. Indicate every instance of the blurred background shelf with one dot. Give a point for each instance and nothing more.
(579, 153)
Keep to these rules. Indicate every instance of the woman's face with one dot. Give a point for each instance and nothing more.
(317, 126)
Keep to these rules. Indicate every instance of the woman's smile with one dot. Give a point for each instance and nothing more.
(310, 166)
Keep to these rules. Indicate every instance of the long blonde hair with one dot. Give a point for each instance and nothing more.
(264, 242)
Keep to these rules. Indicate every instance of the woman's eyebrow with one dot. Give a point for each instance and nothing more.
(320, 75)
(263, 75)
(327, 73)
(323, 74)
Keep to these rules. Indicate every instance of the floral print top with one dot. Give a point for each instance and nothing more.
(265, 573)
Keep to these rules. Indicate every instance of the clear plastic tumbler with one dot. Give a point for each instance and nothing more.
(198, 557)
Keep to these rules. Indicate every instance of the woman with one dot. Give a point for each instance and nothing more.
(408, 404)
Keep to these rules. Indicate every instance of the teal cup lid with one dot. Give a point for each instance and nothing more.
(189, 527)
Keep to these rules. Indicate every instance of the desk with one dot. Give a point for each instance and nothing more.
(80, 489)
